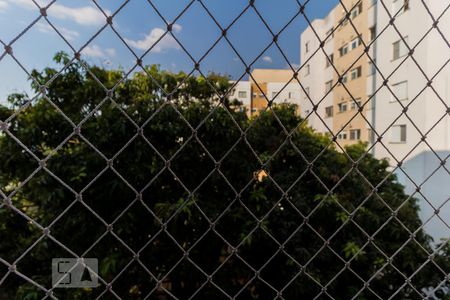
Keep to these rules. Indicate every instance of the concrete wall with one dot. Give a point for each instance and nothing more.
(241, 86)
(319, 74)
(425, 108)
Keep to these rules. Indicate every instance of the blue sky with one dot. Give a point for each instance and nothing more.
(140, 26)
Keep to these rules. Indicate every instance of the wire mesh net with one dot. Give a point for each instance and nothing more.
(180, 194)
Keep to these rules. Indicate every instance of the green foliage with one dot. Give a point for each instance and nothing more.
(293, 210)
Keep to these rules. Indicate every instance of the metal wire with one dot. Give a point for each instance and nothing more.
(108, 285)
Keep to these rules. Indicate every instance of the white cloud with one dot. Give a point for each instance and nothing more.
(166, 42)
(267, 59)
(67, 33)
(97, 52)
(85, 15)
(110, 52)
(3, 5)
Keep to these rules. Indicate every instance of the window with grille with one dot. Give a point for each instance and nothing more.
(356, 73)
(400, 90)
(398, 134)
(328, 86)
(343, 50)
(356, 42)
(399, 48)
(357, 10)
(342, 107)
(342, 135)
(329, 111)
(355, 134)
(355, 105)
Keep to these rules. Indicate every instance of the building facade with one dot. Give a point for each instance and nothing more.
(386, 92)
(264, 85)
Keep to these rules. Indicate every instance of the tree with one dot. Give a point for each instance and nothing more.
(160, 184)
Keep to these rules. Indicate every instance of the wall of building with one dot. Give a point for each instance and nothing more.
(314, 81)
(281, 92)
(426, 106)
(353, 90)
(242, 92)
(265, 85)
(426, 109)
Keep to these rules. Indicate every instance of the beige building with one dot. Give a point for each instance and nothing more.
(349, 59)
(341, 57)
(276, 85)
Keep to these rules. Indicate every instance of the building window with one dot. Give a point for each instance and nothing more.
(372, 69)
(343, 50)
(328, 86)
(372, 32)
(355, 104)
(356, 73)
(356, 11)
(398, 134)
(254, 95)
(344, 79)
(342, 135)
(399, 49)
(290, 95)
(342, 107)
(356, 42)
(328, 111)
(400, 90)
(329, 35)
(355, 134)
(306, 47)
(399, 6)
(329, 60)
(242, 94)
(307, 70)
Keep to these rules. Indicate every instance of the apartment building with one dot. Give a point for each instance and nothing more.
(335, 75)
(409, 109)
(266, 85)
(317, 74)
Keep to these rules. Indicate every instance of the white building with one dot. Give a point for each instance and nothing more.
(411, 111)
(241, 91)
(427, 106)
(276, 85)
(315, 74)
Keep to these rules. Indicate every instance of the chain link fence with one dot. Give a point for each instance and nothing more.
(181, 196)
